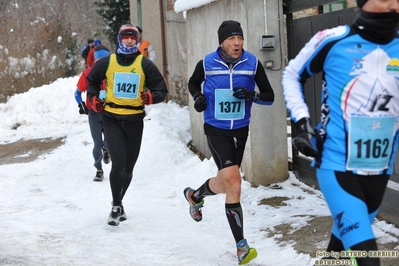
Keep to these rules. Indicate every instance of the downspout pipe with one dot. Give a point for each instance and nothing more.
(265, 15)
(162, 20)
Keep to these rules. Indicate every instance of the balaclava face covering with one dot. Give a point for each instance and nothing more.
(127, 30)
(376, 27)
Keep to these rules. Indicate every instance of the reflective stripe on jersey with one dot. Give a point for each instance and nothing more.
(227, 112)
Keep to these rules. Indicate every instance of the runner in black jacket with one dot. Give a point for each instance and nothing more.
(132, 82)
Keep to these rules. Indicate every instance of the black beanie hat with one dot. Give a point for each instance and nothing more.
(360, 3)
(229, 28)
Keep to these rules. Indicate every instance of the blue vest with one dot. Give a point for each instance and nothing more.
(219, 77)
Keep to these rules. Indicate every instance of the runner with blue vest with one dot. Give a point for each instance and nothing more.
(228, 76)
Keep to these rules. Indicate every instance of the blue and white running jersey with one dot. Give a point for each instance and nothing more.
(360, 99)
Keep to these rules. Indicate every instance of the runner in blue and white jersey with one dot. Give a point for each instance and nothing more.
(355, 143)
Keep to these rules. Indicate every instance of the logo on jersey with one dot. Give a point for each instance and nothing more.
(338, 219)
(357, 67)
(373, 88)
(344, 230)
(321, 36)
(393, 67)
(380, 102)
(348, 229)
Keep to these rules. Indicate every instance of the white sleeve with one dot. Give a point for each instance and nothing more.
(292, 86)
(291, 81)
(300, 66)
(151, 53)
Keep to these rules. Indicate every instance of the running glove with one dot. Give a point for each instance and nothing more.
(146, 97)
(97, 104)
(244, 94)
(305, 132)
(83, 108)
(200, 102)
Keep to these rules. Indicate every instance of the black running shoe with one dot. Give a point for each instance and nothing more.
(123, 216)
(106, 156)
(114, 216)
(99, 176)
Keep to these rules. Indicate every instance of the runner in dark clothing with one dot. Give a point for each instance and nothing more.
(100, 148)
(132, 82)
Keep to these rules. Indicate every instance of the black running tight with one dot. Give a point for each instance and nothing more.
(124, 142)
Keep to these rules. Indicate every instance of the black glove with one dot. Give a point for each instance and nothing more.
(200, 102)
(245, 94)
(303, 139)
(83, 108)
